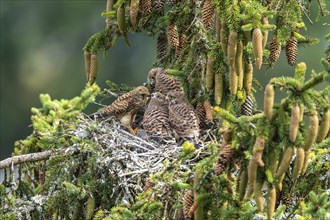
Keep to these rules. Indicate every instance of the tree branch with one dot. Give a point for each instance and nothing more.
(33, 157)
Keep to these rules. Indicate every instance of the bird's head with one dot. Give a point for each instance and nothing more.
(143, 95)
(152, 77)
(175, 97)
(159, 98)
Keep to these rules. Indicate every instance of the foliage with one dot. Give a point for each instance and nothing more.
(244, 158)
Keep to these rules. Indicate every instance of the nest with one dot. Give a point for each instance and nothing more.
(130, 159)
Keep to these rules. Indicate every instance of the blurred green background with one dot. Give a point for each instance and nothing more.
(41, 52)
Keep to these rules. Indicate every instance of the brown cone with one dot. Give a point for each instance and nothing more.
(188, 201)
(207, 14)
(291, 50)
(173, 36)
(159, 6)
(161, 46)
(225, 157)
(275, 49)
(146, 6)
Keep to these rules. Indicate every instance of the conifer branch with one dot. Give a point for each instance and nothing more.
(34, 157)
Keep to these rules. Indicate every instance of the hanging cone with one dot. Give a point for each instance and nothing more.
(257, 47)
(159, 6)
(173, 36)
(248, 77)
(133, 13)
(224, 159)
(239, 65)
(161, 46)
(207, 14)
(146, 6)
(265, 37)
(188, 201)
(275, 49)
(93, 69)
(224, 37)
(247, 106)
(291, 50)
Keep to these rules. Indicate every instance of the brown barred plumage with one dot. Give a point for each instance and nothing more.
(275, 49)
(160, 81)
(126, 106)
(156, 119)
(291, 50)
(182, 116)
(207, 14)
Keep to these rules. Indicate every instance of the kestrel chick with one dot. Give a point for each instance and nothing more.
(160, 81)
(155, 119)
(125, 106)
(183, 119)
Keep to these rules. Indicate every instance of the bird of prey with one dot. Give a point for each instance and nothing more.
(155, 119)
(160, 81)
(182, 116)
(125, 106)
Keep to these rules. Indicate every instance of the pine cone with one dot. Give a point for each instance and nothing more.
(247, 106)
(159, 6)
(225, 157)
(328, 57)
(93, 69)
(287, 200)
(188, 201)
(275, 49)
(146, 6)
(182, 44)
(248, 77)
(207, 14)
(134, 11)
(161, 46)
(204, 113)
(224, 37)
(291, 50)
(257, 47)
(173, 36)
(171, 2)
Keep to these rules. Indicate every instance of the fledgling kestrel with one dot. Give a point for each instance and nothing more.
(160, 81)
(155, 119)
(125, 106)
(182, 116)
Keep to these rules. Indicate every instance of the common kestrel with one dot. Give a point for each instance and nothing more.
(182, 116)
(160, 81)
(125, 106)
(155, 119)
